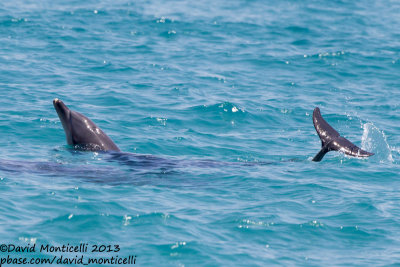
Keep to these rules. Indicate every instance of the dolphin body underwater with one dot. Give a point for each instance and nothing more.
(84, 134)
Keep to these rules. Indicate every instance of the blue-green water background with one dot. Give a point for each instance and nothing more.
(224, 81)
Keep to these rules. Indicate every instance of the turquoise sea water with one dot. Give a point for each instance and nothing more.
(225, 91)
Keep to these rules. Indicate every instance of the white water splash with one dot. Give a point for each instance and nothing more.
(374, 140)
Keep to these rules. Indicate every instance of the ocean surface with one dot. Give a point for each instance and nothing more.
(220, 94)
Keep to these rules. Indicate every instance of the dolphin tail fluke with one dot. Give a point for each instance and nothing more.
(332, 141)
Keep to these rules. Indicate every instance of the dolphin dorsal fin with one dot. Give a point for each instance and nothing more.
(331, 139)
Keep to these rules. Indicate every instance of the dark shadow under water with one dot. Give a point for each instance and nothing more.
(129, 168)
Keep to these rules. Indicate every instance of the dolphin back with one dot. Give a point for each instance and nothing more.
(332, 141)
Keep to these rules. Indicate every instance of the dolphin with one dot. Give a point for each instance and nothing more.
(331, 140)
(81, 132)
